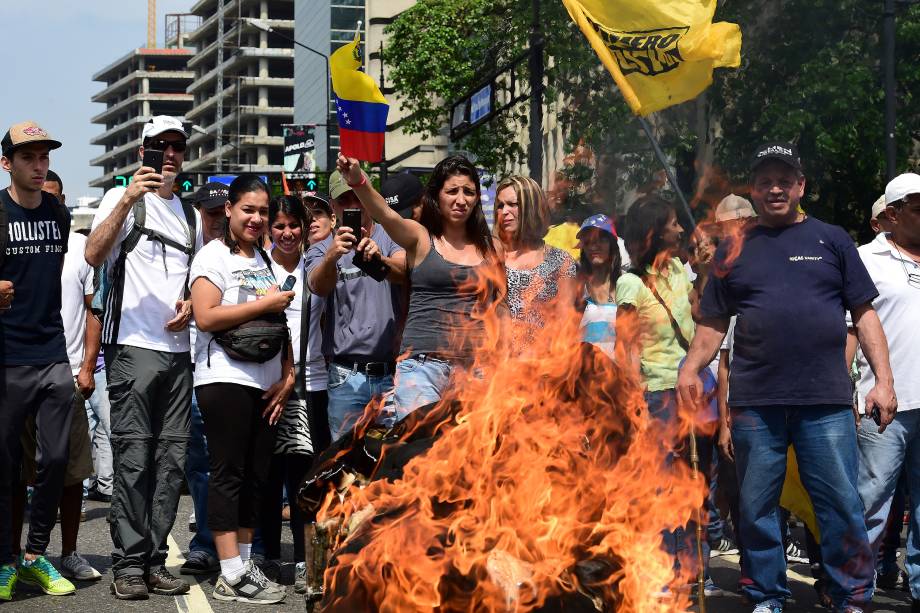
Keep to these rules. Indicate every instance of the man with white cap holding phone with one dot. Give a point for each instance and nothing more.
(147, 238)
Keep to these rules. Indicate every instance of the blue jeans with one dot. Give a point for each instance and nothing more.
(681, 543)
(196, 473)
(881, 458)
(350, 391)
(98, 413)
(419, 382)
(824, 438)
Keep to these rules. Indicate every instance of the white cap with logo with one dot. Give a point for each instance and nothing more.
(902, 186)
(158, 124)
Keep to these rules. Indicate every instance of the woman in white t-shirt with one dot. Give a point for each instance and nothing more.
(303, 430)
(232, 282)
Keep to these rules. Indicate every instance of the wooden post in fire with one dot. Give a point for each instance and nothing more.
(695, 468)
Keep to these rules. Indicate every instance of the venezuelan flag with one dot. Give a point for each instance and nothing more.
(360, 107)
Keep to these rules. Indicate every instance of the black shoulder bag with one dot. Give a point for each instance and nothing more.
(257, 340)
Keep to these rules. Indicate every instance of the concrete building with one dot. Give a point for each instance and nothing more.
(243, 87)
(142, 83)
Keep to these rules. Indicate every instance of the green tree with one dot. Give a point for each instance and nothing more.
(810, 73)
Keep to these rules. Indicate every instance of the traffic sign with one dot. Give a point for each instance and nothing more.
(123, 180)
(311, 185)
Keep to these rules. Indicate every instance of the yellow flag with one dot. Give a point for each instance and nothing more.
(659, 52)
(795, 498)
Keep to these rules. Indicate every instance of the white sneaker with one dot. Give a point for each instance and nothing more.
(75, 566)
(252, 588)
(769, 606)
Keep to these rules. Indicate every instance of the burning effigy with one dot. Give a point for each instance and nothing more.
(537, 483)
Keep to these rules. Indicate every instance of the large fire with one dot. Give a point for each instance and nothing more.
(537, 483)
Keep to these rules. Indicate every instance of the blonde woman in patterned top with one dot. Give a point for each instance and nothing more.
(540, 277)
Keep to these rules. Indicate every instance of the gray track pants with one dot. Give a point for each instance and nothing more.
(150, 393)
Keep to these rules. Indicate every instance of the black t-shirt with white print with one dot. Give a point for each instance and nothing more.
(31, 331)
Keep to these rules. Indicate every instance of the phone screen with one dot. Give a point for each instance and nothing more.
(351, 218)
(153, 158)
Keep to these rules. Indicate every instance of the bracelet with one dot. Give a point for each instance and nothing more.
(359, 184)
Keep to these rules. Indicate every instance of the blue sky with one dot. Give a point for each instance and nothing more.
(51, 49)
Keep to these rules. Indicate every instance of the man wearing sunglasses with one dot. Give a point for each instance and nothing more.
(893, 262)
(147, 237)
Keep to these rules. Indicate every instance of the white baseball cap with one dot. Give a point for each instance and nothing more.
(901, 186)
(158, 124)
(878, 206)
(734, 207)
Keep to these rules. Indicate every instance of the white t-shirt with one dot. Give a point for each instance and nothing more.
(898, 308)
(240, 279)
(154, 274)
(76, 283)
(317, 376)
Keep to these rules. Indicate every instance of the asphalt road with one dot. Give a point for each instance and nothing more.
(94, 597)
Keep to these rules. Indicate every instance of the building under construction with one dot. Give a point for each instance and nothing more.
(243, 87)
(144, 82)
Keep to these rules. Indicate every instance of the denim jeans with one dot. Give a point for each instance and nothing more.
(350, 391)
(100, 433)
(824, 438)
(681, 543)
(881, 457)
(419, 381)
(196, 473)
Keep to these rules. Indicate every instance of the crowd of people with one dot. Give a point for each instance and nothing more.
(228, 342)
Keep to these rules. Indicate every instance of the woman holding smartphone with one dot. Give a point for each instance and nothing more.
(451, 258)
(303, 430)
(232, 283)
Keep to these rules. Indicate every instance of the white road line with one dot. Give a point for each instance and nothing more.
(195, 601)
(789, 572)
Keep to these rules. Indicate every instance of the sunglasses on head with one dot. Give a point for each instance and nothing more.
(158, 143)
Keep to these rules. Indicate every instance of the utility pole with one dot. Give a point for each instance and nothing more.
(535, 61)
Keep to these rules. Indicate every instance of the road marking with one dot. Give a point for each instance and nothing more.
(195, 601)
(789, 572)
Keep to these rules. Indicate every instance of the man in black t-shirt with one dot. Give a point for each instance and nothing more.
(790, 282)
(35, 375)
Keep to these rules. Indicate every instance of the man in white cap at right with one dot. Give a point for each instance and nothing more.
(147, 238)
(893, 262)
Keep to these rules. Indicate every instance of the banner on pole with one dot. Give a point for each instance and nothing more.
(299, 149)
(660, 53)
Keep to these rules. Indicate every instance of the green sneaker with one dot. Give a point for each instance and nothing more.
(7, 581)
(42, 574)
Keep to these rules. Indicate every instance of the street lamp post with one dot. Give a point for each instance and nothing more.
(263, 25)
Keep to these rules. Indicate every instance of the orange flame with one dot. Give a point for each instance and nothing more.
(547, 480)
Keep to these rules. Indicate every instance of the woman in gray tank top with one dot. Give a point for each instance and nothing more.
(456, 274)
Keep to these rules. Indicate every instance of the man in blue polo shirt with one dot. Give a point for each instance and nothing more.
(790, 284)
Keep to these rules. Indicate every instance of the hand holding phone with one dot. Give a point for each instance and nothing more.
(289, 283)
(351, 218)
(153, 158)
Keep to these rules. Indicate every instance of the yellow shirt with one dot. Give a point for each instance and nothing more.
(660, 352)
(564, 236)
